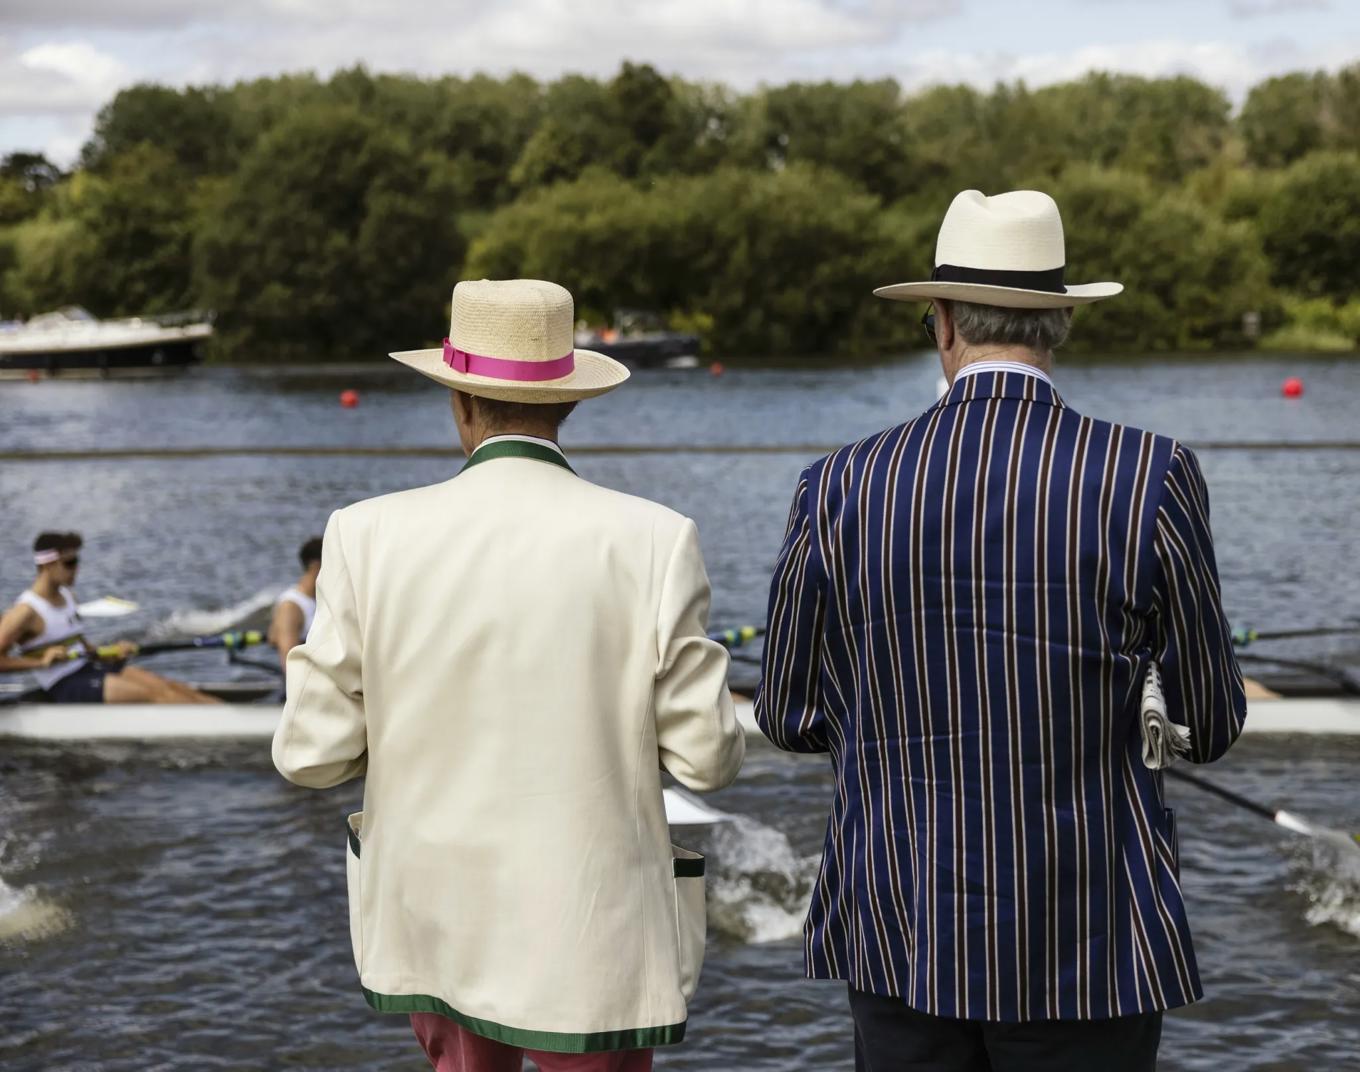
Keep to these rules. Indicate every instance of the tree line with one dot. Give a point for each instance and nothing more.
(328, 219)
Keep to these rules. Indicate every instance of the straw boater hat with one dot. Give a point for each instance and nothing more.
(514, 340)
(1005, 250)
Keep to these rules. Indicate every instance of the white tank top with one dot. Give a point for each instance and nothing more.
(304, 603)
(59, 623)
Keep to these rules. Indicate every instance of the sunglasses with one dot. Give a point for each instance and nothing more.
(928, 323)
(72, 562)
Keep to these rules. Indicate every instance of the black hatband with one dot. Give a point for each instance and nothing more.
(1050, 280)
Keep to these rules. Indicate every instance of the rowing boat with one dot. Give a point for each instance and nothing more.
(253, 721)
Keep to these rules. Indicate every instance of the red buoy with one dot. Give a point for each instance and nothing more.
(716, 369)
(1292, 387)
(349, 398)
(34, 375)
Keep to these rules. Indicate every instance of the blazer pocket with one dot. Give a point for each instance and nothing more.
(354, 881)
(691, 921)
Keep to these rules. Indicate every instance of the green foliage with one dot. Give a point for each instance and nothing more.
(49, 261)
(1286, 118)
(482, 126)
(194, 127)
(328, 218)
(856, 130)
(638, 125)
(334, 240)
(1179, 294)
(25, 181)
(781, 262)
(1310, 226)
(961, 138)
(575, 132)
(1316, 324)
(137, 214)
(1162, 128)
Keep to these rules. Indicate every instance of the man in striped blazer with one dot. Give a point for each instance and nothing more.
(962, 615)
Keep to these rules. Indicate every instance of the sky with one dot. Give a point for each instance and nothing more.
(61, 60)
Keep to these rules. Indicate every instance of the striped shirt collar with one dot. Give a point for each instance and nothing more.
(520, 438)
(1002, 366)
(1001, 380)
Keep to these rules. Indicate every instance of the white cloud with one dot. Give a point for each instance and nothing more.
(58, 78)
(84, 16)
(1231, 67)
(64, 59)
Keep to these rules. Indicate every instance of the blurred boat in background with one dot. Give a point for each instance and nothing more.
(640, 340)
(72, 342)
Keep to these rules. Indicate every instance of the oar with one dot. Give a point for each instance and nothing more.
(1286, 819)
(232, 640)
(1344, 679)
(106, 607)
(684, 809)
(735, 638)
(1242, 637)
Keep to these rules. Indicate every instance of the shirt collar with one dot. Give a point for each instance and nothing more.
(1002, 366)
(522, 439)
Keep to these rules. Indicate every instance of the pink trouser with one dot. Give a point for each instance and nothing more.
(452, 1048)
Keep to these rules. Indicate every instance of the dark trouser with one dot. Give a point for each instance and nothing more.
(892, 1037)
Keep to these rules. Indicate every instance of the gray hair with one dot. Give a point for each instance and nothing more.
(500, 414)
(1041, 330)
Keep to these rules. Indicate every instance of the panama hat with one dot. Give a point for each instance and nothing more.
(1005, 250)
(514, 340)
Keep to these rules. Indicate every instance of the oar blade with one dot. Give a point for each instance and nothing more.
(107, 607)
(682, 809)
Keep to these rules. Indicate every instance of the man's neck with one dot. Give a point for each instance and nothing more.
(548, 434)
(1017, 355)
(46, 587)
(307, 585)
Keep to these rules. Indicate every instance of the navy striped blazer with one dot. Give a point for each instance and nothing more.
(961, 615)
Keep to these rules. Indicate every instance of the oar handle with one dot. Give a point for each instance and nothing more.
(735, 638)
(1242, 637)
(1226, 794)
(231, 640)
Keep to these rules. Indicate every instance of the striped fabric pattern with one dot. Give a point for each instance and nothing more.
(961, 615)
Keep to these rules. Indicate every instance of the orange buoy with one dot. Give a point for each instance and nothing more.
(349, 398)
(716, 369)
(34, 375)
(1292, 387)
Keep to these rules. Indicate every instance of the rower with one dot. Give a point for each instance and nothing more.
(296, 607)
(45, 625)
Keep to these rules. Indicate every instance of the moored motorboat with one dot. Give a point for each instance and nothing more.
(71, 342)
(640, 340)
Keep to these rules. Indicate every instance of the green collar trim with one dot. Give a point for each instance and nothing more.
(636, 1038)
(515, 448)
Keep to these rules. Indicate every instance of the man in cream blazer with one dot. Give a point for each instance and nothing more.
(511, 658)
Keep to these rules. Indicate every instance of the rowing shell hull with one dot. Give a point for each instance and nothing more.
(149, 722)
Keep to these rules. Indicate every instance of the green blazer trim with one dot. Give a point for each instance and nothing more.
(636, 1038)
(515, 448)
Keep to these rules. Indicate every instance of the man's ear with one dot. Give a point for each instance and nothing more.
(944, 325)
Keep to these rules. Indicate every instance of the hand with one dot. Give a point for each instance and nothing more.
(126, 649)
(51, 656)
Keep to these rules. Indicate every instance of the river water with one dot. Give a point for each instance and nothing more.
(182, 907)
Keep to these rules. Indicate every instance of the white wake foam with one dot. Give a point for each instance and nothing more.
(1327, 874)
(251, 613)
(25, 916)
(760, 886)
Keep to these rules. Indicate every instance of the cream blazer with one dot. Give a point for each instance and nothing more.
(511, 658)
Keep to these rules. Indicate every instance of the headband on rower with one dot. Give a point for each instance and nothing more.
(46, 558)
